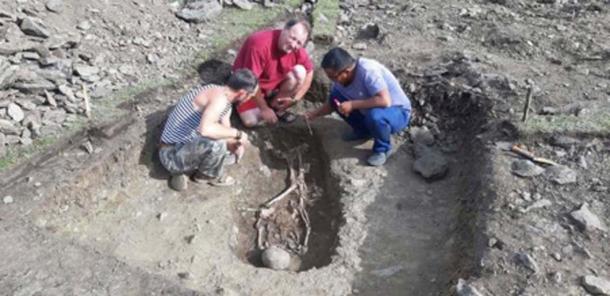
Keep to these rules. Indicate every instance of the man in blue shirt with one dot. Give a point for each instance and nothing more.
(368, 97)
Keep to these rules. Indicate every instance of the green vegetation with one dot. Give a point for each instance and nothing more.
(596, 123)
(325, 16)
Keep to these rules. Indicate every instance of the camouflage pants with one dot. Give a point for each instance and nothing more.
(204, 155)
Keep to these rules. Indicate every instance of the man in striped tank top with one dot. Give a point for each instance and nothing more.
(198, 138)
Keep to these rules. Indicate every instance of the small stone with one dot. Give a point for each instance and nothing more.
(527, 261)
(562, 175)
(359, 46)
(596, 285)
(564, 141)
(388, 271)
(189, 238)
(526, 168)
(243, 4)
(33, 28)
(15, 112)
(161, 216)
(369, 31)
(587, 220)
(83, 70)
(557, 277)
(7, 199)
(464, 289)
(276, 258)
(84, 25)
(88, 147)
(54, 5)
(184, 275)
(421, 135)
(582, 162)
(556, 256)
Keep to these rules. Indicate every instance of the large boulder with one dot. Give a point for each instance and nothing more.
(200, 11)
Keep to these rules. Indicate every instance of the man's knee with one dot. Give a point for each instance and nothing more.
(249, 118)
(375, 116)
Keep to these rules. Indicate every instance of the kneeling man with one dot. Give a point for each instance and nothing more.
(368, 97)
(198, 137)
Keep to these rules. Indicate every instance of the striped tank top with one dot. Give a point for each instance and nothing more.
(182, 124)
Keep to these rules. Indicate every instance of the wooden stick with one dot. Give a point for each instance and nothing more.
(528, 100)
(529, 155)
(87, 105)
(308, 125)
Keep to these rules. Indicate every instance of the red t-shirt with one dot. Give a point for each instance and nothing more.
(260, 53)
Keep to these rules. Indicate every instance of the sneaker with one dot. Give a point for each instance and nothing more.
(222, 181)
(287, 117)
(178, 182)
(377, 159)
(353, 136)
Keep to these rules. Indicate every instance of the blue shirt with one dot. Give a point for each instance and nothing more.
(371, 78)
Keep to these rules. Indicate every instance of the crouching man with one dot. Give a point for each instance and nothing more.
(368, 97)
(198, 139)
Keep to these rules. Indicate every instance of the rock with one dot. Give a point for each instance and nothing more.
(85, 71)
(464, 289)
(184, 275)
(54, 116)
(562, 175)
(88, 147)
(596, 285)
(557, 277)
(243, 4)
(31, 27)
(67, 91)
(15, 112)
(7, 128)
(582, 162)
(7, 200)
(7, 73)
(200, 11)
(564, 141)
(359, 46)
(161, 216)
(84, 25)
(421, 135)
(587, 220)
(429, 163)
(538, 204)
(526, 168)
(369, 31)
(527, 261)
(276, 258)
(55, 5)
(388, 271)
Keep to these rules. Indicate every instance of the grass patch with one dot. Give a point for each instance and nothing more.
(596, 123)
(325, 16)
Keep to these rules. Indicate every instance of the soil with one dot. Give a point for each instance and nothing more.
(102, 221)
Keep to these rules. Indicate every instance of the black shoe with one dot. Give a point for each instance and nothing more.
(287, 117)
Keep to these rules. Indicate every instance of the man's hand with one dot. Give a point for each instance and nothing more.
(345, 108)
(282, 104)
(243, 141)
(268, 115)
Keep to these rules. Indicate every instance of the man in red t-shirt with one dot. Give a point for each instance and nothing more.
(284, 70)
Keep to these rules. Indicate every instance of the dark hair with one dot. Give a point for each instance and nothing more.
(242, 79)
(337, 59)
(298, 20)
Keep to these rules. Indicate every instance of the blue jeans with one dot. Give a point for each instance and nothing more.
(378, 123)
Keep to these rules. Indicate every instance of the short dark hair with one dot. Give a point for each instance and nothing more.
(299, 20)
(242, 79)
(337, 59)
